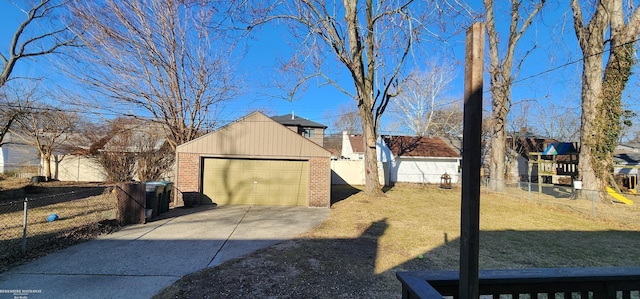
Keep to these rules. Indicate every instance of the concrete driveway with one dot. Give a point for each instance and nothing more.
(140, 260)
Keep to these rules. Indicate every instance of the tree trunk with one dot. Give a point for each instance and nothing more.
(500, 106)
(47, 165)
(595, 150)
(497, 167)
(591, 89)
(369, 135)
(500, 72)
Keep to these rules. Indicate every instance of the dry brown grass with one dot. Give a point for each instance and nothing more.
(357, 251)
(7, 183)
(84, 210)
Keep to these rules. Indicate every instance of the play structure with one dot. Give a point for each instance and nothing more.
(557, 164)
(617, 196)
(615, 192)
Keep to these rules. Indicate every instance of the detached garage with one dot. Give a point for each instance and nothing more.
(253, 161)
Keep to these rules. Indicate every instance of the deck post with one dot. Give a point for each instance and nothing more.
(471, 162)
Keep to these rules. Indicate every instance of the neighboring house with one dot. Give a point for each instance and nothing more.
(626, 163)
(306, 128)
(626, 159)
(18, 156)
(419, 159)
(631, 147)
(352, 146)
(254, 161)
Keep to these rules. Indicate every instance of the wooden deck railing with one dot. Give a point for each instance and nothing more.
(596, 283)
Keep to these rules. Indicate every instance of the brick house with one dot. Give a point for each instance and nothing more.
(256, 161)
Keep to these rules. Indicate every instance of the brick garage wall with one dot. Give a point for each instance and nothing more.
(319, 182)
(188, 174)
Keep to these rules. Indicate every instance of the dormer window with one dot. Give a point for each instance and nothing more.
(308, 132)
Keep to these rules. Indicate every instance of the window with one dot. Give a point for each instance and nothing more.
(308, 132)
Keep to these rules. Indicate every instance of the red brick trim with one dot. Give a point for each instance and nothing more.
(319, 182)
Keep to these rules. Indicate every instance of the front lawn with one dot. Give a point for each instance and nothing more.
(356, 252)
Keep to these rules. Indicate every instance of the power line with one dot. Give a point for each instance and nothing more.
(571, 63)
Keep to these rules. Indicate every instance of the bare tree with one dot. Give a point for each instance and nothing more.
(559, 123)
(371, 40)
(15, 100)
(154, 156)
(447, 120)
(164, 57)
(37, 35)
(347, 120)
(45, 128)
(422, 95)
(502, 75)
(602, 86)
(114, 152)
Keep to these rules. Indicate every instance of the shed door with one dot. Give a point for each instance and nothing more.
(255, 182)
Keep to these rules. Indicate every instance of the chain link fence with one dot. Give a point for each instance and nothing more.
(33, 225)
(620, 207)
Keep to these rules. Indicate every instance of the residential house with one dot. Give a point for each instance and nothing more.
(308, 129)
(352, 146)
(626, 162)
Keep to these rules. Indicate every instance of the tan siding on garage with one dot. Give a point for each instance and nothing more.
(255, 136)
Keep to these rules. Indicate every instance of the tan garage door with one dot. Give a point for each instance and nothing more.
(255, 182)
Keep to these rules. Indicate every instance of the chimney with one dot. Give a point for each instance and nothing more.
(293, 115)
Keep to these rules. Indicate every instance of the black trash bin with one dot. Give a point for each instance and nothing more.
(164, 196)
(167, 196)
(154, 193)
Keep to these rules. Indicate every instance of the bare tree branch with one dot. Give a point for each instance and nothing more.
(29, 41)
(164, 57)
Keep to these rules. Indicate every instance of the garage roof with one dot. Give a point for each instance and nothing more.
(254, 136)
(410, 146)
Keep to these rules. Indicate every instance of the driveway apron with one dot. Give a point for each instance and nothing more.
(140, 260)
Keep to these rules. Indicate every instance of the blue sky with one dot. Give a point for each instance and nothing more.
(535, 89)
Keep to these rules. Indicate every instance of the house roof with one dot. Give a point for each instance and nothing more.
(357, 143)
(627, 158)
(455, 142)
(292, 120)
(410, 146)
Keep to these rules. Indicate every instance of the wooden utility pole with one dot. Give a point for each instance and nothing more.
(471, 162)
